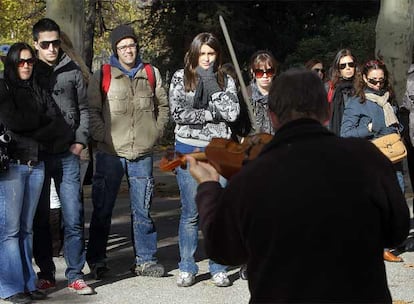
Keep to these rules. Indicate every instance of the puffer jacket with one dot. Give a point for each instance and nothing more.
(129, 120)
(65, 83)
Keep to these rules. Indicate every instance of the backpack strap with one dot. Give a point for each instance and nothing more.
(105, 77)
(150, 74)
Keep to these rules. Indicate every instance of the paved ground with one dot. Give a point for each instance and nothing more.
(122, 287)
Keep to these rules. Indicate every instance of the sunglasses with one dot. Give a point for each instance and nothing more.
(29, 61)
(343, 65)
(45, 44)
(319, 70)
(259, 73)
(375, 82)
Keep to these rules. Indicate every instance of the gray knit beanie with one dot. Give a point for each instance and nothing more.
(121, 32)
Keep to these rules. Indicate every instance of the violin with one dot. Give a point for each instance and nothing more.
(225, 155)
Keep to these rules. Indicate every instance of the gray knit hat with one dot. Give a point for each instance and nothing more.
(121, 32)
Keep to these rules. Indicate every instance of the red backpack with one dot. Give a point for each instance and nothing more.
(106, 76)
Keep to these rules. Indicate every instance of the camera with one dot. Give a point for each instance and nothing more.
(4, 155)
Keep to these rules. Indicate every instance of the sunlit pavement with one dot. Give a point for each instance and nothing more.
(120, 286)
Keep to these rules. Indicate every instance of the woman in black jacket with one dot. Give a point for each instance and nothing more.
(340, 87)
(30, 118)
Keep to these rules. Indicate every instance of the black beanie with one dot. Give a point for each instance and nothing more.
(121, 32)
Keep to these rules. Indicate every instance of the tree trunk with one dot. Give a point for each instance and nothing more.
(394, 40)
(70, 17)
(90, 32)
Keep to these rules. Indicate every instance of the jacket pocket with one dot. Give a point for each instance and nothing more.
(118, 103)
(146, 102)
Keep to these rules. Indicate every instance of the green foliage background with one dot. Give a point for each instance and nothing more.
(294, 31)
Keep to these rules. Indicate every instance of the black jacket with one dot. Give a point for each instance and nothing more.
(294, 214)
(32, 119)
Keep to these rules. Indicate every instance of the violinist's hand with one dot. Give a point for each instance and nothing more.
(202, 172)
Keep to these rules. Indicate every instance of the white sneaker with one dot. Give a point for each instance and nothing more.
(221, 279)
(185, 279)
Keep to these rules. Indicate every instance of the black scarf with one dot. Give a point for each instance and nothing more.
(344, 88)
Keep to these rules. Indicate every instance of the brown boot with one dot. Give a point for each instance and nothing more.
(389, 257)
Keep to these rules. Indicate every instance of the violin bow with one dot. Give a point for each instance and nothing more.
(238, 73)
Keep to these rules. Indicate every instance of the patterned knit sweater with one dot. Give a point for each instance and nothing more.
(192, 125)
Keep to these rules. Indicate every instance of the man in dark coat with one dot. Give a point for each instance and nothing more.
(294, 213)
(59, 75)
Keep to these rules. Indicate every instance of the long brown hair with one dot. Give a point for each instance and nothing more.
(68, 48)
(334, 70)
(360, 84)
(192, 56)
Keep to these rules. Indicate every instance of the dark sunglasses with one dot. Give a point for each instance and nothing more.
(45, 44)
(259, 73)
(319, 70)
(375, 82)
(29, 61)
(343, 65)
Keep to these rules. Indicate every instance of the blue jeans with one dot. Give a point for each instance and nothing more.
(188, 227)
(64, 168)
(105, 186)
(20, 189)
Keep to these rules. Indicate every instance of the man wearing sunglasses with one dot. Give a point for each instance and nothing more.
(60, 76)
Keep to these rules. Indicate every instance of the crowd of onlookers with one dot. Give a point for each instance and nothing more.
(53, 110)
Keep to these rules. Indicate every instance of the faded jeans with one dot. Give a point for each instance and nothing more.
(20, 189)
(189, 220)
(107, 179)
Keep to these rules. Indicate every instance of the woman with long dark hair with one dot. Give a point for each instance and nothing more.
(317, 66)
(30, 118)
(203, 99)
(340, 86)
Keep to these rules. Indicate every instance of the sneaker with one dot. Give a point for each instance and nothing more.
(185, 279)
(221, 279)
(149, 269)
(19, 298)
(98, 270)
(36, 295)
(43, 284)
(80, 287)
(243, 272)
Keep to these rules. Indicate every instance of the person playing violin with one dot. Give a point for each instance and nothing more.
(297, 190)
(202, 101)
